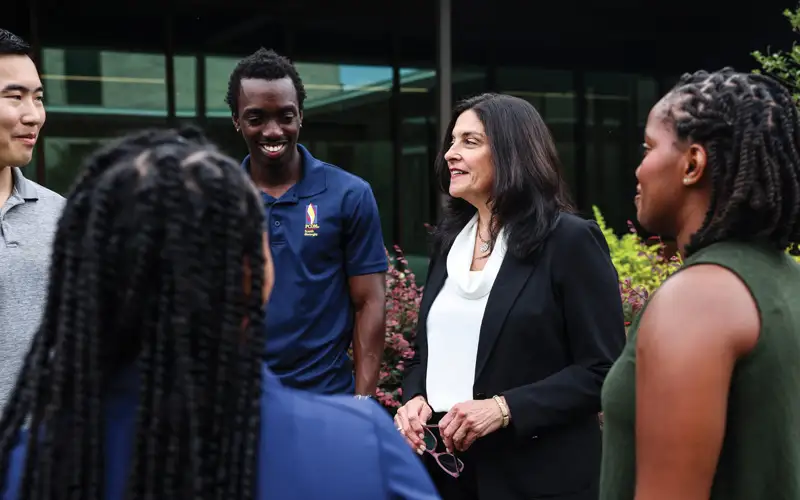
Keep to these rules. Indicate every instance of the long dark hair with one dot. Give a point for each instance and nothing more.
(528, 191)
(750, 128)
(147, 271)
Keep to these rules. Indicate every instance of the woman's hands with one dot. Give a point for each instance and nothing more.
(468, 421)
(410, 419)
(463, 424)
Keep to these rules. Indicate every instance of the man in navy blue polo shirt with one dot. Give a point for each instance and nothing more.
(325, 236)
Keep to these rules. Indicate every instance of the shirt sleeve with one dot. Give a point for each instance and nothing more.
(364, 250)
(404, 475)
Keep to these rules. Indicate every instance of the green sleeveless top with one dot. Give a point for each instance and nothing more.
(760, 456)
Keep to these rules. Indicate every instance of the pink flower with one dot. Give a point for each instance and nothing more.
(403, 297)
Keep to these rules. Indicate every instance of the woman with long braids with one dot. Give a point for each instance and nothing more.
(704, 402)
(146, 379)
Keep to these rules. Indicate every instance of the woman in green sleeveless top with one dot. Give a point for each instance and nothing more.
(704, 402)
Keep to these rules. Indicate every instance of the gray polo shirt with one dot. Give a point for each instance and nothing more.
(27, 225)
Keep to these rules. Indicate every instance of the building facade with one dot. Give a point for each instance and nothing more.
(381, 82)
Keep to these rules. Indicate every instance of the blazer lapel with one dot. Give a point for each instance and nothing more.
(510, 279)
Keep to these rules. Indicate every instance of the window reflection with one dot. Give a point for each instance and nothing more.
(347, 122)
(104, 82)
(185, 86)
(70, 138)
(617, 107)
(418, 135)
(646, 97)
(65, 157)
(93, 95)
(218, 69)
(552, 94)
(468, 82)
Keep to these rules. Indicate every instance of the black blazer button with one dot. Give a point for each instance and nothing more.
(480, 395)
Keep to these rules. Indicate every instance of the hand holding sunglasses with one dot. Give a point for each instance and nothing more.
(410, 419)
(470, 420)
(446, 460)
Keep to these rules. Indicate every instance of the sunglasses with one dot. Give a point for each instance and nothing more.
(446, 460)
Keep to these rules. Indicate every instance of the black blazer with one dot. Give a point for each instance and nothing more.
(553, 327)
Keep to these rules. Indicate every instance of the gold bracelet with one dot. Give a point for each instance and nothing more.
(503, 409)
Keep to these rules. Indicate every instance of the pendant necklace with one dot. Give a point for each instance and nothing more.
(484, 245)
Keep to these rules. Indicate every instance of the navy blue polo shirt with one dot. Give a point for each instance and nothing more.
(322, 231)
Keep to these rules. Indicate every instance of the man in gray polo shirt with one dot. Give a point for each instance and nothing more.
(28, 211)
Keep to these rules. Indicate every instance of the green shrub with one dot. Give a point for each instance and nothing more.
(641, 265)
(785, 66)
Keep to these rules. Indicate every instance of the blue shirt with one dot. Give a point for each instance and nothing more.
(322, 231)
(312, 446)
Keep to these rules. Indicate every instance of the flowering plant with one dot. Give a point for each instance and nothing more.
(403, 297)
(642, 265)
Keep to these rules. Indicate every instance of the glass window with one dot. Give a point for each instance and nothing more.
(219, 126)
(646, 97)
(65, 157)
(104, 82)
(468, 82)
(553, 95)
(218, 71)
(613, 144)
(347, 122)
(69, 138)
(419, 142)
(185, 86)
(617, 109)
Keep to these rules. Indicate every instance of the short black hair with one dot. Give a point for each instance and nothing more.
(262, 64)
(138, 277)
(528, 192)
(12, 45)
(750, 128)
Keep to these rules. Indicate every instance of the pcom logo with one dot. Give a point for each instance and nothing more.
(311, 220)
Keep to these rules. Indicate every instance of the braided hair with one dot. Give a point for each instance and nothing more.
(149, 260)
(750, 129)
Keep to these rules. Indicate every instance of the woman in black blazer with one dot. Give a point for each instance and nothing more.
(520, 321)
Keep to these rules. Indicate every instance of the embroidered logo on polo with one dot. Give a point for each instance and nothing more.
(311, 220)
